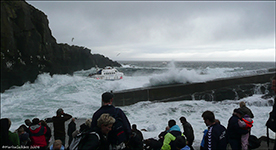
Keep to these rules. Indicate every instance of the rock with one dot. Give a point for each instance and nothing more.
(207, 96)
(28, 47)
(224, 94)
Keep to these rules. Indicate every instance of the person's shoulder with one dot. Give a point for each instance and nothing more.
(188, 124)
(12, 134)
(55, 117)
(119, 109)
(219, 126)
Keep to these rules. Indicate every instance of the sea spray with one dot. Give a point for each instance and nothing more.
(80, 96)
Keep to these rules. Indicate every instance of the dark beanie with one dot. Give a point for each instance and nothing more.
(107, 96)
(238, 111)
(35, 121)
(171, 123)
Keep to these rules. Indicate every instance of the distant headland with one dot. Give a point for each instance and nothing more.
(29, 49)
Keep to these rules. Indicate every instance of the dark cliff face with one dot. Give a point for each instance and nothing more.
(28, 47)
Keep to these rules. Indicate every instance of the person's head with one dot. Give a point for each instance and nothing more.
(22, 127)
(273, 86)
(167, 128)
(180, 142)
(182, 119)
(208, 117)
(107, 97)
(105, 122)
(9, 125)
(134, 126)
(57, 145)
(73, 119)
(35, 121)
(238, 112)
(242, 104)
(20, 130)
(43, 123)
(171, 123)
(88, 122)
(217, 121)
(28, 122)
(59, 112)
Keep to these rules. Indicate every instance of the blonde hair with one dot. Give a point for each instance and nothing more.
(88, 122)
(57, 144)
(242, 104)
(105, 119)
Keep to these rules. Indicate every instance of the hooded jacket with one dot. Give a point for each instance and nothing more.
(37, 135)
(170, 137)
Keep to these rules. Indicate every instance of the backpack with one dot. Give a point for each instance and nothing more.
(117, 135)
(253, 142)
(80, 139)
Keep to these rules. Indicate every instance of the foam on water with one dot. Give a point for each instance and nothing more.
(176, 75)
(154, 116)
(80, 96)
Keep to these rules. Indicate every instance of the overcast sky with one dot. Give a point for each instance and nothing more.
(159, 30)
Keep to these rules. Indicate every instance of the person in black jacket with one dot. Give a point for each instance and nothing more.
(59, 126)
(71, 129)
(136, 139)
(273, 112)
(97, 137)
(215, 138)
(188, 131)
(234, 132)
(107, 107)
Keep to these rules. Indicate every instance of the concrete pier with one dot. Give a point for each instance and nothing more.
(184, 91)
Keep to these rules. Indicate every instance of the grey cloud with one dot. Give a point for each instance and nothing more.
(161, 27)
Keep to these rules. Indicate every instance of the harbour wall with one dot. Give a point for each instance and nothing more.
(215, 90)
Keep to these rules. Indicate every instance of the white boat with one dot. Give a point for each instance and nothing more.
(108, 73)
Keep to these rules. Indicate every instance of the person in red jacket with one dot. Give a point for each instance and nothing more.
(37, 135)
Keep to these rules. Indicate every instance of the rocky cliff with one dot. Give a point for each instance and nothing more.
(28, 47)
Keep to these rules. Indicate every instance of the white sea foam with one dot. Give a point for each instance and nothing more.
(80, 96)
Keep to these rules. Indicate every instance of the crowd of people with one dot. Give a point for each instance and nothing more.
(110, 129)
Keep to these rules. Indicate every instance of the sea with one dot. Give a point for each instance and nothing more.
(80, 95)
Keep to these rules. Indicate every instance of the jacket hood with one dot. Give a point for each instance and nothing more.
(175, 128)
(34, 127)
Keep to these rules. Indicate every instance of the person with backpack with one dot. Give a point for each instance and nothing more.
(121, 130)
(169, 139)
(96, 138)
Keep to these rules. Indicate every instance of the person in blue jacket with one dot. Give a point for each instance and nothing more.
(215, 138)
